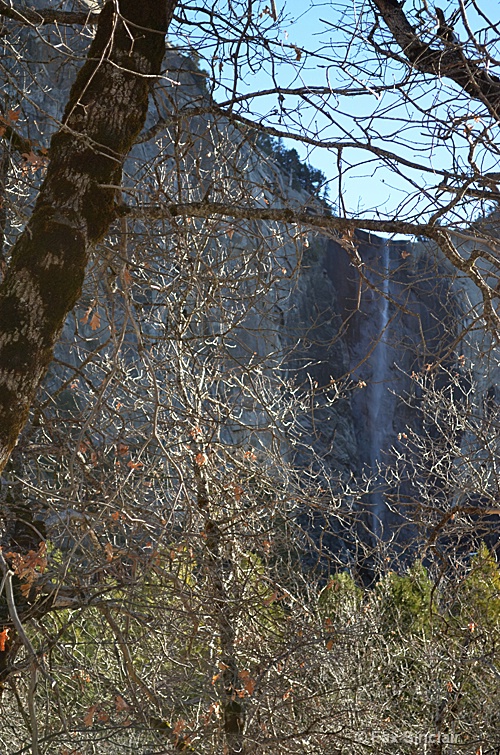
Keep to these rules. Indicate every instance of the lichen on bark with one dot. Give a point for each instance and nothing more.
(75, 206)
(74, 209)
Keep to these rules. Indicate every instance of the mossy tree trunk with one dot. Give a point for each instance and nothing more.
(106, 110)
(76, 204)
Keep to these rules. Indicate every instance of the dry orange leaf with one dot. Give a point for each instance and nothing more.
(95, 321)
(4, 636)
(134, 464)
(127, 277)
(33, 160)
(26, 588)
(26, 566)
(248, 682)
(271, 599)
(120, 704)
(88, 718)
(266, 544)
(122, 449)
(250, 686)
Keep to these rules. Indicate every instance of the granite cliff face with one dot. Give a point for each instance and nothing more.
(376, 325)
(267, 310)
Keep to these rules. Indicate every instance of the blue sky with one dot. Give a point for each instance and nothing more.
(368, 188)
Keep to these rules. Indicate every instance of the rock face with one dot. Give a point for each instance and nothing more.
(374, 325)
(259, 308)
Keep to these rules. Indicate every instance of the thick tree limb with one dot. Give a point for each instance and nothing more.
(449, 62)
(311, 217)
(345, 228)
(104, 115)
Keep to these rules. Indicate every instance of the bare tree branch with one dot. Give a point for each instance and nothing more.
(450, 62)
(340, 225)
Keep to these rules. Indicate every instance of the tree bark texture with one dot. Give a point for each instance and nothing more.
(75, 206)
(449, 61)
(233, 712)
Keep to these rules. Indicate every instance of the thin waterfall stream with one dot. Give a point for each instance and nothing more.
(380, 376)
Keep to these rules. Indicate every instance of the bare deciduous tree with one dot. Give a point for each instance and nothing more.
(176, 545)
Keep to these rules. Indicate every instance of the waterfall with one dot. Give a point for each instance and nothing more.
(379, 419)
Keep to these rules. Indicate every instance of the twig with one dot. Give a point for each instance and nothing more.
(9, 594)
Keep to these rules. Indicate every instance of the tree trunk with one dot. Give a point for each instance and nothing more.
(74, 209)
(233, 713)
(106, 110)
